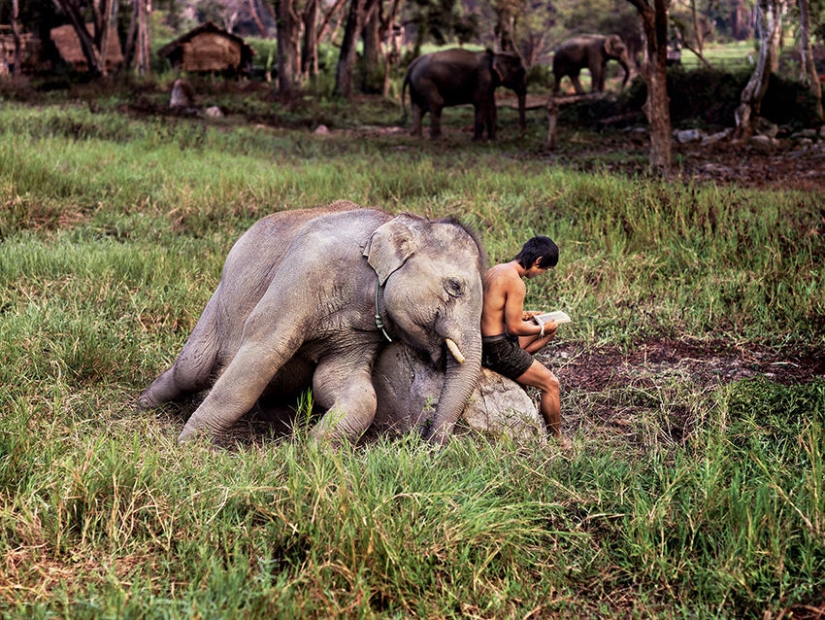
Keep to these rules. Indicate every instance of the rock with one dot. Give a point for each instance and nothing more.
(766, 128)
(717, 137)
(213, 111)
(805, 134)
(182, 95)
(407, 389)
(764, 143)
(321, 130)
(688, 135)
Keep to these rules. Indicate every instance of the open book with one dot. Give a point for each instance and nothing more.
(558, 316)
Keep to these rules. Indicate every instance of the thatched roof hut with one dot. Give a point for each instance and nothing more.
(68, 46)
(208, 48)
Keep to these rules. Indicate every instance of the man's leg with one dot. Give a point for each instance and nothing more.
(533, 344)
(538, 376)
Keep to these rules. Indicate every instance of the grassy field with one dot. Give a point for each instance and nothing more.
(113, 230)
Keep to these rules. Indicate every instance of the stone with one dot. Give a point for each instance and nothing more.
(764, 143)
(688, 135)
(182, 95)
(766, 128)
(213, 111)
(407, 389)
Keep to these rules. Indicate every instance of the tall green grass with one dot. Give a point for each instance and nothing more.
(113, 231)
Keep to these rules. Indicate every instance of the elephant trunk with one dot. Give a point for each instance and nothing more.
(626, 66)
(460, 381)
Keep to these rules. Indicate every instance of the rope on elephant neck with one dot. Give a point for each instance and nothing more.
(378, 322)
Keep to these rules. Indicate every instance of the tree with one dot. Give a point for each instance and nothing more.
(769, 20)
(287, 25)
(356, 18)
(139, 37)
(693, 27)
(654, 70)
(15, 32)
(96, 44)
(809, 73)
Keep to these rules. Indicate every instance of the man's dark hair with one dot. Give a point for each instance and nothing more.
(538, 247)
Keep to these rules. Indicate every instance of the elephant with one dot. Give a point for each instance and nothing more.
(458, 76)
(309, 297)
(408, 387)
(592, 51)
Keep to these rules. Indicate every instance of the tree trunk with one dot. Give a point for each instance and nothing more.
(288, 36)
(392, 54)
(144, 36)
(654, 70)
(309, 50)
(769, 25)
(15, 33)
(348, 56)
(809, 74)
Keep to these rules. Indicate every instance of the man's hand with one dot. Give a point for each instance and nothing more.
(527, 315)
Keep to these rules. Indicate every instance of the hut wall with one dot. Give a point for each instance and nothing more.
(210, 51)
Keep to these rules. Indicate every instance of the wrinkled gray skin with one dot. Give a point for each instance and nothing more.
(456, 77)
(591, 51)
(295, 308)
(408, 389)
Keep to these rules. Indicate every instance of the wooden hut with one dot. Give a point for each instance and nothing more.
(208, 48)
(68, 46)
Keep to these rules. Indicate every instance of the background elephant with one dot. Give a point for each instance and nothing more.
(408, 389)
(301, 303)
(457, 76)
(591, 51)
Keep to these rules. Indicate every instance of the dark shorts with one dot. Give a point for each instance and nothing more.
(503, 355)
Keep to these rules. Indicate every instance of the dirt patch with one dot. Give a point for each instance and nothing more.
(612, 390)
(706, 363)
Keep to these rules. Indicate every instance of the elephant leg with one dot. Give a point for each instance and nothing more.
(597, 74)
(492, 119)
(574, 77)
(343, 386)
(481, 120)
(237, 389)
(193, 369)
(436, 107)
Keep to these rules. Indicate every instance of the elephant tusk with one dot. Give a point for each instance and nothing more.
(453, 347)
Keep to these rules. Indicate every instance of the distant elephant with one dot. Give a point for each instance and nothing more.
(458, 76)
(408, 388)
(308, 298)
(591, 51)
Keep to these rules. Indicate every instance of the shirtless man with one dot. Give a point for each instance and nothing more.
(510, 336)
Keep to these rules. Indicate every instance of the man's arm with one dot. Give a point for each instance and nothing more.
(514, 310)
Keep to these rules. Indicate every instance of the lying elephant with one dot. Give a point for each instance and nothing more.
(408, 389)
(309, 298)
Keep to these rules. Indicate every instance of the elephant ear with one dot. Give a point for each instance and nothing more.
(391, 245)
(612, 45)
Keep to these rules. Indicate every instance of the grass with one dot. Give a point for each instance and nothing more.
(113, 230)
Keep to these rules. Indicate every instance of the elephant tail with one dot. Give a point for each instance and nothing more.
(403, 93)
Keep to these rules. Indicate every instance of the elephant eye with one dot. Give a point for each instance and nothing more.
(454, 287)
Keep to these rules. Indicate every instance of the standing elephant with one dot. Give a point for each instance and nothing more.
(591, 51)
(308, 298)
(456, 77)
